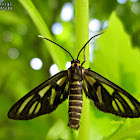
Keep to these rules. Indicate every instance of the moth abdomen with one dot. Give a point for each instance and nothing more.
(75, 104)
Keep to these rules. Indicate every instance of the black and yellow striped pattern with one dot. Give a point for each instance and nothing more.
(109, 97)
(42, 100)
(75, 104)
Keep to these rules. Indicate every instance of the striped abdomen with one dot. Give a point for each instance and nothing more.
(75, 104)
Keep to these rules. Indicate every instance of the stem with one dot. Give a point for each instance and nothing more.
(82, 36)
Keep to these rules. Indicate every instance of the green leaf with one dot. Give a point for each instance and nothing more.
(118, 61)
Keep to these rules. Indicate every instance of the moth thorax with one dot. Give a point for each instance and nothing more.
(75, 104)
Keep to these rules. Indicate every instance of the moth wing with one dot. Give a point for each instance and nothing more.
(43, 99)
(109, 97)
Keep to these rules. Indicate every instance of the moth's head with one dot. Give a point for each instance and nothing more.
(75, 63)
(75, 70)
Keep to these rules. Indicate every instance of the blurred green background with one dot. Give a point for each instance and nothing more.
(115, 55)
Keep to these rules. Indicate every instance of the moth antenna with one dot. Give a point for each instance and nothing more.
(88, 42)
(56, 44)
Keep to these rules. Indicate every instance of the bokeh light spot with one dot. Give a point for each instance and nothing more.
(53, 69)
(120, 10)
(67, 12)
(22, 29)
(136, 8)
(105, 24)
(7, 36)
(134, 0)
(36, 63)
(68, 64)
(13, 53)
(122, 1)
(91, 49)
(94, 25)
(57, 28)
